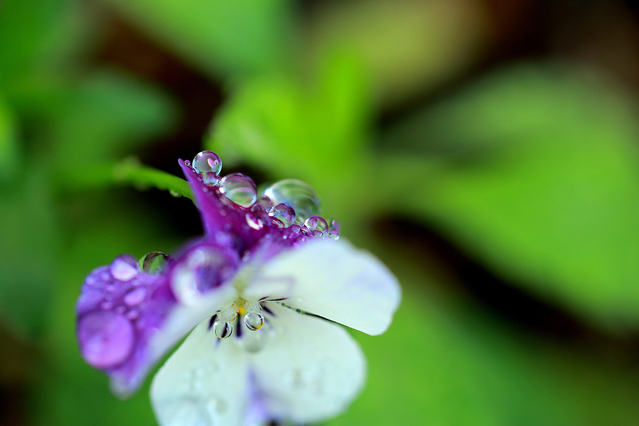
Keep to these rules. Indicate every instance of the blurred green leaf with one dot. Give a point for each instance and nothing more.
(410, 47)
(233, 38)
(8, 144)
(550, 196)
(106, 116)
(29, 244)
(25, 29)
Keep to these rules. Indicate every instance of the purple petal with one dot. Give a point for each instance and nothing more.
(119, 311)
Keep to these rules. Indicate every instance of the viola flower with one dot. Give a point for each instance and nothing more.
(260, 293)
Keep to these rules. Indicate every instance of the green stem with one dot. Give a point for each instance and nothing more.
(130, 171)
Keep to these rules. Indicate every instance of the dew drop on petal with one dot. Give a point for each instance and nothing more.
(254, 222)
(106, 338)
(239, 188)
(297, 194)
(253, 321)
(223, 330)
(211, 178)
(335, 226)
(174, 194)
(156, 263)
(316, 223)
(296, 228)
(135, 296)
(207, 161)
(283, 212)
(265, 202)
(123, 268)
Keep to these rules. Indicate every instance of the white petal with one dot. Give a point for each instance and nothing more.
(334, 280)
(310, 370)
(205, 383)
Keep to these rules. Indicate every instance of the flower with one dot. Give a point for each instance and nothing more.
(255, 292)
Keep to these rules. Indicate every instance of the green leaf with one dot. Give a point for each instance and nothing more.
(29, 247)
(550, 198)
(8, 144)
(234, 38)
(106, 116)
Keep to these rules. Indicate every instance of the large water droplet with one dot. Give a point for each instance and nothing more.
(223, 330)
(207, 161)
(124, 268)
(239, 188)
(106, 338)
(135, 297)
(297, 194)
(156, 263)
(202, 270)
(283, 212)
(316, 223)
(253, 321)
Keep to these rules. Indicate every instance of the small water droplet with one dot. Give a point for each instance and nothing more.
(278, 223)
(239, 188)
(156, 263)
(135, 297)
(207, 161)
(283, 212)
(124, 268)
(333, 234)
(335, 226)
(253, 321)
(254, 222)
(316, 223)
(297, 194)
(211, 178)
(223, 330)
(174, 194)
(187, 162)
(106, 338)
(296, 228)
(216, 406)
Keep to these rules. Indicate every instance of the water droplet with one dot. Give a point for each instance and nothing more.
(211, 178)
(207, 161)
(202, 270)
(296, 228)
(253, 321)
(239, 188)
(283, 212)
(254, 222)
(316, 223)
(223, 330)
(135, 297)
(174, 194)
(335, 226)
(278, 223)
(106, 338)
(257, 208)
(216, 406)
(124, 268)
(333, 234)
(297, 194)
(156, 263)
(265, 202)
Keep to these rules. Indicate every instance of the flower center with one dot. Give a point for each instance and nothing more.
(222, 322)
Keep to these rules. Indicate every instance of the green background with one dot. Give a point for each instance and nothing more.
(486, 151)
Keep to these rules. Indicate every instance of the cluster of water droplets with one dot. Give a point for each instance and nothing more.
(288, 203)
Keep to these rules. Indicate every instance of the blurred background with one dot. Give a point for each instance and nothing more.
(486, 150)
